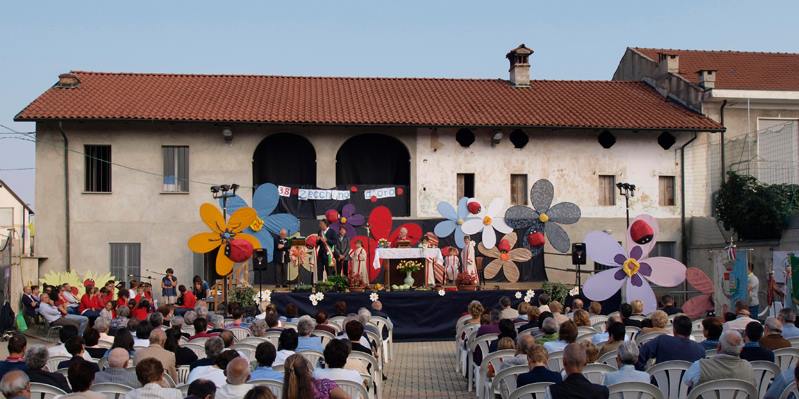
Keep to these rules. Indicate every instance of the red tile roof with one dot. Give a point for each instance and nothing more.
(737, 69)
(363, 101)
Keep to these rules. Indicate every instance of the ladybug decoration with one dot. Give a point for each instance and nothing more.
(641, 232)
(331, 215)
(474, 207)
(535, 239)
(238, 250)
(503, 246)
(310, 241)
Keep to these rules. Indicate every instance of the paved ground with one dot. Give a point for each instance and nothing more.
(424, 370)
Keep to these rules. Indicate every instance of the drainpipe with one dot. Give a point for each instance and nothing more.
(684, 237)
(723, 167)
(66, 193)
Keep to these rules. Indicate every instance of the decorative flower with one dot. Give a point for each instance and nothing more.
(518, 295)
(320, 296)
(223, 234)
(633, 267)
(263, 296)
(441, 292)
(543, 217)
(529, 296)
(374, 297)
(574, 291)
(488, 220)
(506, 256)
(381, 221)
(454, 220)
(348, 220)
(265, 200)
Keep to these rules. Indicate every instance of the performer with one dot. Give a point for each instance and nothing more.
(359, 260)
(467, 257)
(342, 252)
(324, 255)
(169, 287)
(403, 236)
(452, 264)
(282, 259)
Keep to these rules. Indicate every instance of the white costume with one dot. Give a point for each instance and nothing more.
(467, 259)
(358, 265)
(451, 266)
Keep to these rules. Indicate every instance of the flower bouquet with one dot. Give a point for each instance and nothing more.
(466, 281)
(409, 267)
(382, 243)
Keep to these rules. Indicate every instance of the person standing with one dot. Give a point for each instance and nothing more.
(359, 262)
(325, 244)
(753, 286)
(342, 252)
(282, 259)
(467, 257)
(169, 287)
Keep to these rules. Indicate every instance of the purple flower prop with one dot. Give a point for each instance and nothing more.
(349, 220)
(632, 267)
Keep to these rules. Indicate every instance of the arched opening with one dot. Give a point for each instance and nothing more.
(286, 159)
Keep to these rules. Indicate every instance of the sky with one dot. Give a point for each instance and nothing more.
(464, 39)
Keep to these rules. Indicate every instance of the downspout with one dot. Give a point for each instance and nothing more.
(684, 236)
(66, 193)
(723, 165)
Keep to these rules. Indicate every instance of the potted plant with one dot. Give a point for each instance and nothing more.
(409, 267)
(466, 281)
(338, 283)
(356, 283)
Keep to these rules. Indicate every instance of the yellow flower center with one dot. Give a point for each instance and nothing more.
(257, 224)
(460, 222)
(543, 218)
(343, 220)
(631, 266)
(487, 220)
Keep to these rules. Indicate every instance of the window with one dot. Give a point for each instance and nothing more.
(465, 185)
(664, 248)
(126, 260)
(666, 190)
(607, 190)
(98, 168)
(176, 169)
(6, 218)
(518, 189)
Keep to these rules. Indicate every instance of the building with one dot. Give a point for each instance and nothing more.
(16, 242)
(755, 95)
(136, 153)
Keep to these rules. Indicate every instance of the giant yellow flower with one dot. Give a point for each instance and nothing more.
(222, 233)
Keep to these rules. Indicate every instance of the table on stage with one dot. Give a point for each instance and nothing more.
(383, 257)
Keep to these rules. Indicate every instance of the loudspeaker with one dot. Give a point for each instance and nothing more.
(259, 259)
(606, 139)
(578, 253)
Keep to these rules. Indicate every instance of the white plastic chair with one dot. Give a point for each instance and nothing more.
(481, 342)
(641, 339)
(198, 350)
(44, 391)
(183, 374)
(255, 341)
(598, 319)
(668, 377)
(288, 324)
(727, 388)
(240, 333)
(609, 358)
(634, 390)
(585, 330)
(184, 389)
(538, 390)
(325, 336)
(600, 326)
(764, 373)
(52, 363)
(275, 386)
(794, 342)
(273, 337)
(504, 382)
(462, 349)
(530, 331)
(790, 389)
(555, 362)
(354, 390)
(494, 359)
(595, 372)
(111, 390)
(337, 320)
(199, 340)
(371, 364)
(313, 357)
(388, 343)
(630, 332)
(786, 357)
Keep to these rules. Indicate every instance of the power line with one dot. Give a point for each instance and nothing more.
(14, 169)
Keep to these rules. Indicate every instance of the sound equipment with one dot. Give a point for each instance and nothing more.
(578, 253)
(259, 262)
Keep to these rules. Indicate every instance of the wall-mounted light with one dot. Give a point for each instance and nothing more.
(496, 138)
(227, 134)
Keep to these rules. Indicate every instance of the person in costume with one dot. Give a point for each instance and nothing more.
(403, 236)
(282, 259)
(324, 247)
(358, 260)
(467, 257)
(169, 288)
(342, 251)
(452, 264)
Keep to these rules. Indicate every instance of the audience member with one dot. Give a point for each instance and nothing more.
(567, 334)
(595, 308)
(237, 313)
(298, 382)
(306, 341)
(265, 354)
(659, 320)
(272, 321)
(781, 381)
(506, 309)
(16, 354)
(102, 326)
(286, 345)
(15, 385)
(259, 392)
(523, 309)
(322, 324)
(773, 339)
(537, 358)
(752, 350)
(506, 330)
(626, 359)
(150, 372)
(75, 348)
(787, 317)
(601, 337)
(202, 389)
(81, 377)
(91, 341)
(291, 313)
(200, 329)
(677, 347)
(123, 339)
(183, 356)
(550, 329)
(213, 348)
(711, 329)
(59, 316)
(177, 324)
(216, 323)
(581, 318)
(668, 305)
(543, 302)
(340, 307)
(354, 331)
(557, 312)
(576, 385)
(475, 310)
(336, 353)
(121, 320)
(742, 318)
(215, 372)
(117, 370)
(616, 332)
(725, 364)
(36, 359)
(258, 328)
(156, 351)
(577, 304)
(237, 374)
(591, 351)
(142, 337)
(626, 311)
(523, 345)
(638, 307)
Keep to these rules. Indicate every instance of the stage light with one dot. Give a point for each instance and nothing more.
(215, 189)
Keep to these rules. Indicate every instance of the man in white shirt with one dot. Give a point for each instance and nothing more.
(72, 300)
(788, 318)
(66, 333)
(59, 317)
(543, 303)
(216, 372)
(150, 373)
(739, 324)
(336, 353)
(753, 286)
(237, 372)
(102, 325)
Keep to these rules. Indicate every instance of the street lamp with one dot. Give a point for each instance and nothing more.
(626, 190)
(224, 191)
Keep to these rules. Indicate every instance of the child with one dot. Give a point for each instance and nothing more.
(359, 262)
(168, 287)
(452, 264)
(141, 310)
(108, 311)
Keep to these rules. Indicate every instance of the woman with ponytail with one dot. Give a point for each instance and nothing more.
(298, 382)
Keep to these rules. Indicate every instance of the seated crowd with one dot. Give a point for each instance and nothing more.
(627, 340)
(224, 358)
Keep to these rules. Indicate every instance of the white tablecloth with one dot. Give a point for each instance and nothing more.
(406, 253)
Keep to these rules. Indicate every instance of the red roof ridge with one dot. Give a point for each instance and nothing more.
(716, 51)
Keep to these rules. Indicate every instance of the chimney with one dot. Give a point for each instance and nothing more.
(519, 67)
(707, 78)
(669, 63)
(67, 81)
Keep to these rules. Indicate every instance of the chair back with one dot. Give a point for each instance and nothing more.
(668, 378)
(246, 350)
(764, 373)
(794, 342)
(325, 336)
(532, 391)
(354, 390)
(597, 319)
(630, 332)
(600, 326)
(710, 353)
(585, 330)
(278, 367)
(240, 333)
(337, 320)
(504, 382)
(273, 337)
(198, 349)
(727, 388)
(786, 357)
(790, 390)
(199, 340)
(314, 358)
(595, 372)
(641, 339)
(111, 390)
(370, 362)
(586, 336)
(635, 390)
(183, 374)
(64, 371)
(52, 363)
(608, 358)
(530, 331)
(275, 386)
(104, 344)
(462, 320)
(44, 391)
(555, 362)
(482, 342)
(168, 382)
(102, 363)
(254, 341)
(184, 389)
(290, 324)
